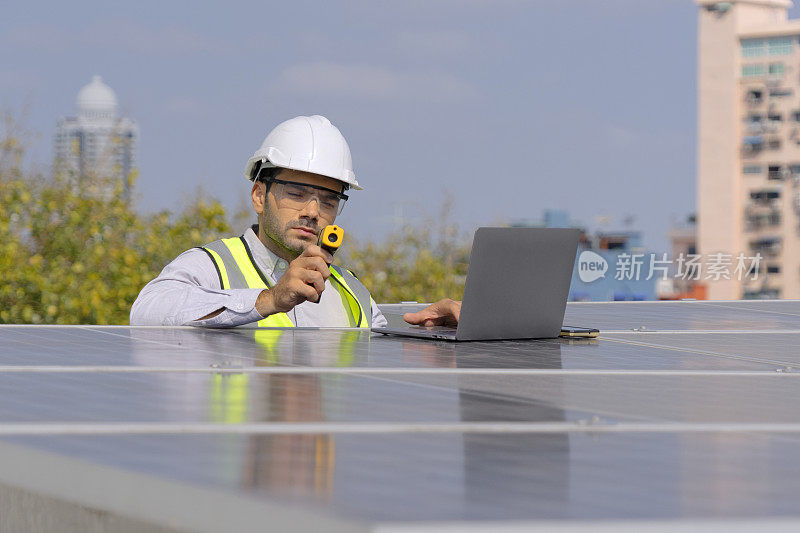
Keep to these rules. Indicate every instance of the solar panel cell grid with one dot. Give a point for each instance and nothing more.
(680, 411)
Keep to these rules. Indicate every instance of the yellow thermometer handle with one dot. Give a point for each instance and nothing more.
(330, 239)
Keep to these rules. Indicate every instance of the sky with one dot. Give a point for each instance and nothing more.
(507, 107)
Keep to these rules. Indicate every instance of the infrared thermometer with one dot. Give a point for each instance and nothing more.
(330, 239)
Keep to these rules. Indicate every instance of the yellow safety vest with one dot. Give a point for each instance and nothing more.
(238, 270)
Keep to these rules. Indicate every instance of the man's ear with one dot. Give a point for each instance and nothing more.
(259, 195)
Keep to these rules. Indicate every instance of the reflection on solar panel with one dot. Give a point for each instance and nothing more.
(680, 414)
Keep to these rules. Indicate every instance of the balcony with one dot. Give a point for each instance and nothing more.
(752, 145)
(773, 143)
(754, 127)
(775, 73)
(780, 92)
(767, 247)
(758, 221)
(762, 294)
(754, 97)
(764, 197)
(777, 173)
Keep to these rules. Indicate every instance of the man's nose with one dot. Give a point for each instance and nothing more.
(311, 210)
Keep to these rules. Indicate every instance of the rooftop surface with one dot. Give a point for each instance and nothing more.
(682, 414)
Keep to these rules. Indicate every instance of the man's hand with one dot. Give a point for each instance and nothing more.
(303, 280)
(442, 313)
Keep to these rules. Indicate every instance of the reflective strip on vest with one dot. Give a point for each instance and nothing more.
(355, 297)
(220, 266)
(237, 270)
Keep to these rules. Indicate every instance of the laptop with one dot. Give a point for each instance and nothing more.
(516, 288)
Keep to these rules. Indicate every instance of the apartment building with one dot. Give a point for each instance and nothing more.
(748, 176)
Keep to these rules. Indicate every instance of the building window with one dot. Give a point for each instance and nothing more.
(767, 294)
(756, 220)
(751, 169)
(765, 196)
(754, 125)
(752, 71)
(775, 172)
(753, 47)
(774, 144)
(773, 269)
(776, 69)
(768, 247)
(753, 143)
(780, 46)
(780, 93)
(773, 122)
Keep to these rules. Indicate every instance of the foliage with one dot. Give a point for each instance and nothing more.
(414, 263)
(74, 251)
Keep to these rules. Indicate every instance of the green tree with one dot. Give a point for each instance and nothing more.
(414, 263)
(75, 251)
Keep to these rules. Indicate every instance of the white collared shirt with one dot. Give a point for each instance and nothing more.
(188, 288)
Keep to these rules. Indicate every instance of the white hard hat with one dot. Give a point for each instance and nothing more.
(310, 144)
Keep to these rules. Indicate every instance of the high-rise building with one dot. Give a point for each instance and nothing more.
(748, 176)
(97, 141)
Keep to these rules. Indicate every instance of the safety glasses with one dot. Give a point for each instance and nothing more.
(298, 195)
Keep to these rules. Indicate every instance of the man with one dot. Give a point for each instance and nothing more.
(275, 274)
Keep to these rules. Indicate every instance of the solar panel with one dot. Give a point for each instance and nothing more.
(681, 413)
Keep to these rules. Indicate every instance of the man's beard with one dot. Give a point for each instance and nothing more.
(280, 235)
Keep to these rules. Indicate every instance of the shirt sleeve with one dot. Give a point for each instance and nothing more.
(378, 320)
(189, 288)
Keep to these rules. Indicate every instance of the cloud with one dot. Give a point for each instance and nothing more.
(373, 82)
